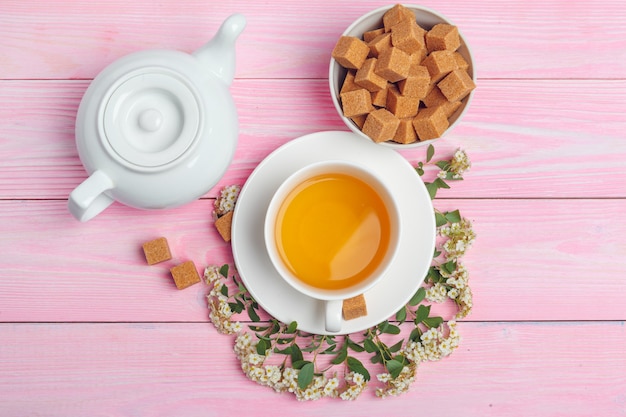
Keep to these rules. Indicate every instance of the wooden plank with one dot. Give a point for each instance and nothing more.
(549, 39)
(509, 132)
(532, 260)
(500, 369)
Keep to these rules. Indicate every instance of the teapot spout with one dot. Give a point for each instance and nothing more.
(218, 55)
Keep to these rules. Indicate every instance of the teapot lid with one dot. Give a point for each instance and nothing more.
(150, 117)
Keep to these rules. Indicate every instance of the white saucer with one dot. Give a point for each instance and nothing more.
(417, 223)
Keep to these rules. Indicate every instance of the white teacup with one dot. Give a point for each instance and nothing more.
(332, 230)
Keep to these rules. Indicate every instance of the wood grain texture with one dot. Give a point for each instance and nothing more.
(525, 138)
(147, 369)
(532, 260)
(511, 39)
(88, 328)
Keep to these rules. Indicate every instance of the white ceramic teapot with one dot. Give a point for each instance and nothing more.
(158, 128)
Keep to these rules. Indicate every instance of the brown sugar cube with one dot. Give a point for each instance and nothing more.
(367, 78)
(450, 107)
(430, 123)
(223, 224)
(400, 105)
(379, 98)
(379, 44)
(417, 84)
(381, 125)
(461, 63)
(434, 98)
(359, 120)
(395, 15)
(456, 85)
(156, 251)
(393, 64)
(439, 64)
(408, 36)
(406, 132)
(350, 52)
(354, 307)
(416, 60)
(348, 82)
(185, 275)
(356, 102)
(371, 34)
(443, 37)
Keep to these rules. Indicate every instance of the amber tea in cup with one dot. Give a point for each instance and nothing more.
(331, 231)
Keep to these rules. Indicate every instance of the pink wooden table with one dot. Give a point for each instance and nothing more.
(88, 329)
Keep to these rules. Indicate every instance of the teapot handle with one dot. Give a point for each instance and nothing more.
(88, 199)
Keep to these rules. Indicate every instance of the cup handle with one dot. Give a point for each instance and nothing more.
(334, 315)
(88, 199)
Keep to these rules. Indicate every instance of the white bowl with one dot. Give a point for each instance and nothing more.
(426, 18)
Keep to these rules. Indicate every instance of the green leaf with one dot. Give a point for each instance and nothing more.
(418, 297)
(370, 346)
(431, 187)
(261, 347)
(299, 364)
(355, 365)
(432, 322)
(224, 290)
(236, 307)
(394, 367)
(434, 275)
(401, 315)
(305, 376)
(422, 313)
(376, 358)
(440, 219)
(285, 351)
(449, 267)
(453, 216)
(252, 314)
(292, 327)
(415, 335)
(441, 183)
(354, 346)
(296, 353)
(444, 165)
(329, 350)
(310, 348)
(420, 171)
(340, 358)
(390, 329)
(258, 328)
(224, 270)
(430, 152)
(396, 347)
(284, 340)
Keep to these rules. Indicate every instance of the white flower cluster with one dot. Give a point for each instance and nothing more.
(438, 293)
(400, 385)
(219, 310)
(460, 237)
(460, 163)
(433, 344)
(355, 384)
(286, 379)
(226, 200)
(459, 290)
(455, 287)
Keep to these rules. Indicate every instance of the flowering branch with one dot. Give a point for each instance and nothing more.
(279, 356)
